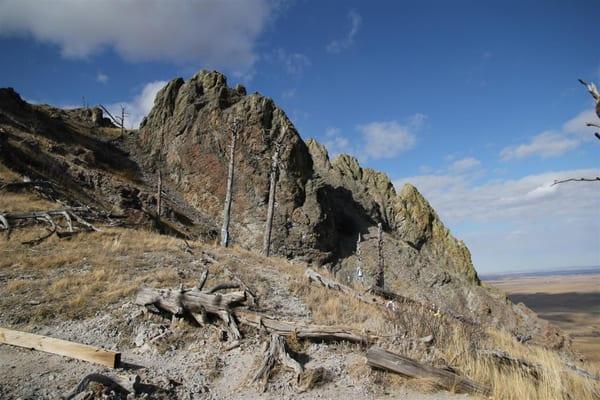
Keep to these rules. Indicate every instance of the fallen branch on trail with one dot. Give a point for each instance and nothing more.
(388, 361)
(122, 385)
(65, 348)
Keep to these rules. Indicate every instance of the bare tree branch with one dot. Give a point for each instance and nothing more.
(577, 180)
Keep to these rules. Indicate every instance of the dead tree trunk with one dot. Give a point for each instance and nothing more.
(159, 195)
(271, 205)
(359, 267)
(227, 207)
(379, 277)
(275, 352)
(383, 359)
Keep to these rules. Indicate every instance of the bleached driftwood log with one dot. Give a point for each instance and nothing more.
(386, 360)
(196, 303)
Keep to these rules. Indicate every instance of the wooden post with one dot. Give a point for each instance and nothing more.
(159, 195)
(271, 205)
(227, 207)
(359, 270)
(379, 277)
(122, 120)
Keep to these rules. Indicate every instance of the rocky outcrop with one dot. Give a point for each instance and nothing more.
(322, 205)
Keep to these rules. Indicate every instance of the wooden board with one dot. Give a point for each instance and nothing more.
(60, 347)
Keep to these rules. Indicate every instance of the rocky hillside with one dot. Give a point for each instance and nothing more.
(81, 285)
(322, 205)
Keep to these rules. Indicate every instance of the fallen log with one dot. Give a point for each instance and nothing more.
(388, 361)
(300, 329)
(67, 213)
(200, 304)
(194, 302)
(276, 351)
(65, 348)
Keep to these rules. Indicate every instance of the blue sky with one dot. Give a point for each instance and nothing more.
(475, 102)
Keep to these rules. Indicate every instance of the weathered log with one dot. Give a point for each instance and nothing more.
(195, 302)
(386, 360)
(276, 351)
(300, 329)
(122, 385)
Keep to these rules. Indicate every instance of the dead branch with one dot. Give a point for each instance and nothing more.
(388, 361)
(202, 280)
(276, 352)
(67, 213)
(556, 182)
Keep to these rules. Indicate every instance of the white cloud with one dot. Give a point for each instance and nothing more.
(219, 34)
(554, 143)
(377, 140)
(578, 123)
(336, 143)
(139, 106)
(385, 139)
(464, 164)
(293, 63)
(558, 225)
(337, 46)
(289, 93)
(546, 144)
(102, 78)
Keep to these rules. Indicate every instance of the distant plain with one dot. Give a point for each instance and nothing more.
(571, 301)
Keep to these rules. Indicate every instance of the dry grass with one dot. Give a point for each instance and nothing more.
(76, 278)
(555, 381)
(24, 202)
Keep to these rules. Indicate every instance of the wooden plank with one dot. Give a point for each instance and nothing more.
(65, 348)
(386, 360)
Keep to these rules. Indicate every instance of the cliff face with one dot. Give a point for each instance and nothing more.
(322, 206)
